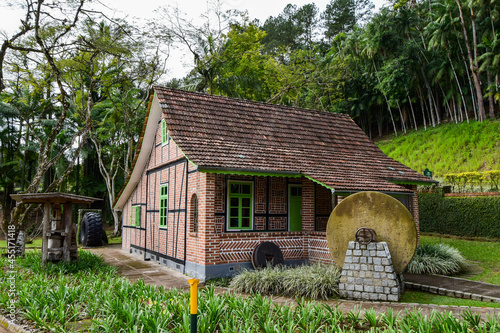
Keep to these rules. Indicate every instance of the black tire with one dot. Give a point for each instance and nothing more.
(90, 230)
(265, 254)
(104, 237)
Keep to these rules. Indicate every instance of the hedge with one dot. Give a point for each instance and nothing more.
(470, 216)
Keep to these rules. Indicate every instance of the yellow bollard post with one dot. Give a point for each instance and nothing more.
(194, 304)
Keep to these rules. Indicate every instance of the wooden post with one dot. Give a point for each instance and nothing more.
(68, 221)
(45, 240)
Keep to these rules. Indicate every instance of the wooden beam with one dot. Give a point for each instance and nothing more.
(45, 240)
(54, 198)
(68, 221)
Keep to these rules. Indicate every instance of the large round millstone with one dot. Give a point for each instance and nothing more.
(390, 219)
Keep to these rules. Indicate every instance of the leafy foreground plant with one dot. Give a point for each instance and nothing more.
(89, 296)
(437, 259)
(315, 281)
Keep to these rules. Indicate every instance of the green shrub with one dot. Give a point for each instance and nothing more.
(314, 281)
(437, 259)
(471, 217)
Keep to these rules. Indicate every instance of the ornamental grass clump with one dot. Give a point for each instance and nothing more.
(439, 259)
(315, 281)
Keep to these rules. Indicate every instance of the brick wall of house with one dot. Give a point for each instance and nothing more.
(167, 166)
(211, 244)
(238, 247)
(318, 248)
(414, 210)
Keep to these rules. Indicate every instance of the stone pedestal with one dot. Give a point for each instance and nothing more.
(368, 273)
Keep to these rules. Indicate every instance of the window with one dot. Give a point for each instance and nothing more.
(240, 205)
(135, 216)
(163, 205)
(164, 132)
(194, 213)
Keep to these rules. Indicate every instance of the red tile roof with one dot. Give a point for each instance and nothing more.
(220, 133)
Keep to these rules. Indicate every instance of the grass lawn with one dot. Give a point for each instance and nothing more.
(37, 242)
(485, 257)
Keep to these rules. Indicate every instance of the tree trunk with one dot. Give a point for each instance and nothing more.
(473, 60)
(491, 102)
(422, 105)
(403, 125)
(437, 103)
(386, 100)
(117, 231)
(459, 88)
(412, 112)
(429, 96)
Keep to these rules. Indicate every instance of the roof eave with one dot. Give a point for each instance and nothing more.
(144, 148)
(412, 181)
(248, 172)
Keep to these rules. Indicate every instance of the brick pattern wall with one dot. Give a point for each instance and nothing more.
(278, 223)
(414, 210)
(238, 247)
(220, 193)
(260, 189)
(318, 248)
(473, 195)
(278, 200)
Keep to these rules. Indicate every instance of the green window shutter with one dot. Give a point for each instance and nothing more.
(164, 132)
(163, 205)
(240, 206)
(137, 216)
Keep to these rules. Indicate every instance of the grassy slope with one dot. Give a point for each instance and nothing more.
(448, 148)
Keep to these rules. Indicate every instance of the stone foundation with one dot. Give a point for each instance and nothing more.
(368, 273)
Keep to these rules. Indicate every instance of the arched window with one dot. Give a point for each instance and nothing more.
(194, 213)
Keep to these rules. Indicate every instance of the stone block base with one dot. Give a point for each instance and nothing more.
(368, 273)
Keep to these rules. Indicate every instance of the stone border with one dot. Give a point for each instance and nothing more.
(451, 293)
(11, 326)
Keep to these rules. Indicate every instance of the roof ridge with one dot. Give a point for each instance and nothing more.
(233, 99)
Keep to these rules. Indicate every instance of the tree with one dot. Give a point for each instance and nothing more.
(343, 15)
(43, 40)
(205, 42)
(282, 31)
(246, 72)
(125, 69)
(307, 23)
(339, 16)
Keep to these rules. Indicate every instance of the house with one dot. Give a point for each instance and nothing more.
(213, 177)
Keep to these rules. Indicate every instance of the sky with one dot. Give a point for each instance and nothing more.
(179, 61)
